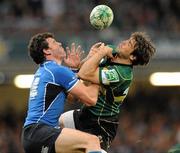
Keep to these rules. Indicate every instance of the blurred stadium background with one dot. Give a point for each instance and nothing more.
(150, 119)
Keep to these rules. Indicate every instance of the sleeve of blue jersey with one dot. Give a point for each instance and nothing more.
(66, 78)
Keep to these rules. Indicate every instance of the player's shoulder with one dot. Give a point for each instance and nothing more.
(123, 70)
(53, 66)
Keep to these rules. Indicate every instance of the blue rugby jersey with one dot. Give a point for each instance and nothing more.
(48, 93)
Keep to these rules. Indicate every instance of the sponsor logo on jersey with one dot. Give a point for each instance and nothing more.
(109, 76)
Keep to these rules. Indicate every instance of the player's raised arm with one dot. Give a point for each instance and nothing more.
(89, 71)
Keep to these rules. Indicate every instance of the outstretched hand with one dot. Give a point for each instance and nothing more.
(73, 56)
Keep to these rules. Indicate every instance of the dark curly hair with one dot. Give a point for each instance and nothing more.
(144, 49)
(36, 45)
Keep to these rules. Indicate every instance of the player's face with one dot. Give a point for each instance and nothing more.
(126, 47)
(56, 49)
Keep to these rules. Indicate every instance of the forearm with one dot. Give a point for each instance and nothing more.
(92, 91)
(91, 65)
(92, 51)
(83, 61)
(87, 94)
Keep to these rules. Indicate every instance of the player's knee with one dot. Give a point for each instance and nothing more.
(93, 141)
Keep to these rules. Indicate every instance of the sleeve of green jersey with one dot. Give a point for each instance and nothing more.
(108, 75)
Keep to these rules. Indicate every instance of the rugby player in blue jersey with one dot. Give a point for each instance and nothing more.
(52, 82)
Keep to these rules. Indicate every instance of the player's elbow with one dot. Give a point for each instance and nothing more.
(82, 75)
(91, 101)
(85, 75)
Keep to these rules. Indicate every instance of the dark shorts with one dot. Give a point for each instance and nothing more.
(105, 127)
(39, 138)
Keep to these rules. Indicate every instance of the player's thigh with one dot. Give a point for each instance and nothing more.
(74, 141)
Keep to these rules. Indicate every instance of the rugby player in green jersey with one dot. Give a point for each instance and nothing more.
(111, 68)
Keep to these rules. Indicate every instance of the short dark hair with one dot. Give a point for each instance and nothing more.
(144, 48)
(36, 45)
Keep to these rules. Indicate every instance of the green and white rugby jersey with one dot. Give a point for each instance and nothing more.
(115, 80)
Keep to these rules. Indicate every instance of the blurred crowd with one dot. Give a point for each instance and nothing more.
(72, 16)
(149, 123)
